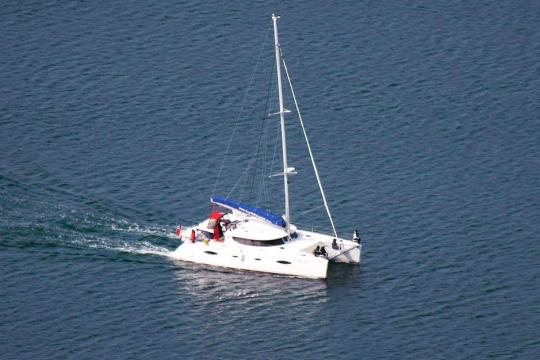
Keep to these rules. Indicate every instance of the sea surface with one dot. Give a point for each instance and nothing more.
(119, 120)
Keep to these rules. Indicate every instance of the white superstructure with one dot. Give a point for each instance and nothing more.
(246, 242)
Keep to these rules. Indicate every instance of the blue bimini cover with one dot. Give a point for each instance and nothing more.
(250, 209)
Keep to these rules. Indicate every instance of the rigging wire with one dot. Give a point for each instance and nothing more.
(256, 157)
(254, 180)
(309, 146)
(275, 150)
(239, 114)
(262, 193)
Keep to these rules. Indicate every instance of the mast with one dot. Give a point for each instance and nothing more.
(282, 119)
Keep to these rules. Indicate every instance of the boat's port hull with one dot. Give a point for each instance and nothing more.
(276, 260)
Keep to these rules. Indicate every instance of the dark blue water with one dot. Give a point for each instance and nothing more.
(424, 119)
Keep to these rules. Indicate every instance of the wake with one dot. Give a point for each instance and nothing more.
(131, 245)
(143, 248)
(124, 226)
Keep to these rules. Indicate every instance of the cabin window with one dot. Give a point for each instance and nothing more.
(274, 242)
(211, 252)
(283, 262)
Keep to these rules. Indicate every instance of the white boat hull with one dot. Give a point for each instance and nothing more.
(275, 261)
(295, 257)
(347, 251)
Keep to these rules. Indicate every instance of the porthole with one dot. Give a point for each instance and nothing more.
(283, 262)
(210, 252)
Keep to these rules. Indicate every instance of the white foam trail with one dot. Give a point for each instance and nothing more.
(144, 248)
(135, 228)
(134, 247)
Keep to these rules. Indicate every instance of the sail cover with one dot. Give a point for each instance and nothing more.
(250, 209)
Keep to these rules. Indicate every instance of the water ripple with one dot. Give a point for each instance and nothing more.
(424, 123)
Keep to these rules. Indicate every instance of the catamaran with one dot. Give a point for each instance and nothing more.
(242, 236)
